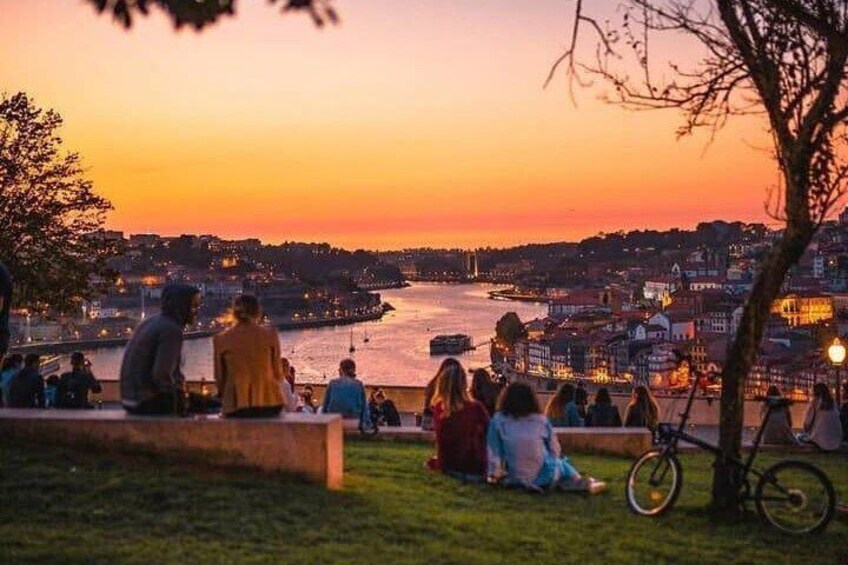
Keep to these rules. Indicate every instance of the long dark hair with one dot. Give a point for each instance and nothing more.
(12, 360)
(822, 392)
(603, 396)
(647, 405)
(449, 364)
(518, 400)
(484, 390)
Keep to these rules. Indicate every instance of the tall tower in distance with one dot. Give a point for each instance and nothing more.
(472, 269)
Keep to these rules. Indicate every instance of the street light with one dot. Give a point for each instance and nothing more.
(836, 353)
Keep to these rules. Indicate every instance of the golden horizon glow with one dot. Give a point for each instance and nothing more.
(412, 124)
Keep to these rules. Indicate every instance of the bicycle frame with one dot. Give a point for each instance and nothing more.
(675, 435)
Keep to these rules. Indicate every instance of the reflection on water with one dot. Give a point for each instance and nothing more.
(397, 352)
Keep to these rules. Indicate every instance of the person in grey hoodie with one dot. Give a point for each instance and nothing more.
(151, 379)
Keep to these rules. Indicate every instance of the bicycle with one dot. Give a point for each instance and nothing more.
(793, 496)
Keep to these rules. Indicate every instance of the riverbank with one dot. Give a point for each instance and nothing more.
(61, 347)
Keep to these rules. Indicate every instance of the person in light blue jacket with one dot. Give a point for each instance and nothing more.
(523, 450)
(346, 396)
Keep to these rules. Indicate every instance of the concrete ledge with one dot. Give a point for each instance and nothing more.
(303, 444)
(630, 442)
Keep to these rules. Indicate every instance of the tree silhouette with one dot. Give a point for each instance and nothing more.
(201, 13)
(50, 217)
(784, 60)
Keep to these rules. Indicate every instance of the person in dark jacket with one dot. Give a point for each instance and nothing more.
(26, 390)
(383, 410)
(5, 306)
(74, 386)
(603, 413)
(151, 379)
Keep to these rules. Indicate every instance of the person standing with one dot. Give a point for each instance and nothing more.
(5, 308)
(151, 379)
(346, 396)
(26, 390)
(74, 386)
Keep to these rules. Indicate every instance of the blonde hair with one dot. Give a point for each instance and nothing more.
(451, 388)
(556, 405)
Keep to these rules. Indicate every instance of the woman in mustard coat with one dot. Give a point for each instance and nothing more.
(247, 364)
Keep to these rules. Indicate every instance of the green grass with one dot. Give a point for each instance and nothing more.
(62, 506)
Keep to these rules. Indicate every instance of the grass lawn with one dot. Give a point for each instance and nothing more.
(62, 506)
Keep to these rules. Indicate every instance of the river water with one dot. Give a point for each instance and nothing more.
(397, 352)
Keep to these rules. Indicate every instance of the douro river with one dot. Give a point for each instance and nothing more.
(397, 350)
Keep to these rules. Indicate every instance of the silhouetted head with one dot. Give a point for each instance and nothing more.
(32, 361)
(181, 303)
(773, 391)
(581, 397)
(246, 309)
(13, 361)
(821, 392)
(518, 400)
(347, 368)
(77, 360)
(603, 396)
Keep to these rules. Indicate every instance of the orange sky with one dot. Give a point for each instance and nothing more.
(420, 122)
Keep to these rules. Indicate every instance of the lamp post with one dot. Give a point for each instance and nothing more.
(836, 354)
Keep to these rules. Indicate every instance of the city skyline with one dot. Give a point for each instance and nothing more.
(417, 125)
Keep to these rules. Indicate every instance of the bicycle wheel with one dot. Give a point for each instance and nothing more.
(795, 497)
(654, 482)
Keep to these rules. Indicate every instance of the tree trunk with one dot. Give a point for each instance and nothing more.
(743, 353)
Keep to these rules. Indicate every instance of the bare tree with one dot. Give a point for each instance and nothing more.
(783, 59)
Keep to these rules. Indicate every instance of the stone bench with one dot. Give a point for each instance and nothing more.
(629, 442)
(303, 444)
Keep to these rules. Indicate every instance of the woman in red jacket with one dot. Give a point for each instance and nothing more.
(460, 424)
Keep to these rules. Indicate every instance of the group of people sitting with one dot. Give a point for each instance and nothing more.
(825, 423)
(23, 386)
(512, 444)
(568, 408)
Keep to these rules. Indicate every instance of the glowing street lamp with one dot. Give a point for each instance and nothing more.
(836, 354)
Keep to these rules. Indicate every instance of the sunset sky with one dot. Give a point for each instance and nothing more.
(414, 122)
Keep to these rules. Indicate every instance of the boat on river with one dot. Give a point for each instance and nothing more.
(450, 344)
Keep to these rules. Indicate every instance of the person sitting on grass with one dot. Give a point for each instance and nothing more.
(26, 389)
(642, 412)
(524, 451)
(778, 429)
(248, 370)
(346, 396)
(603, 413)
(460, 423)
(562, 409)
(822, 427)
